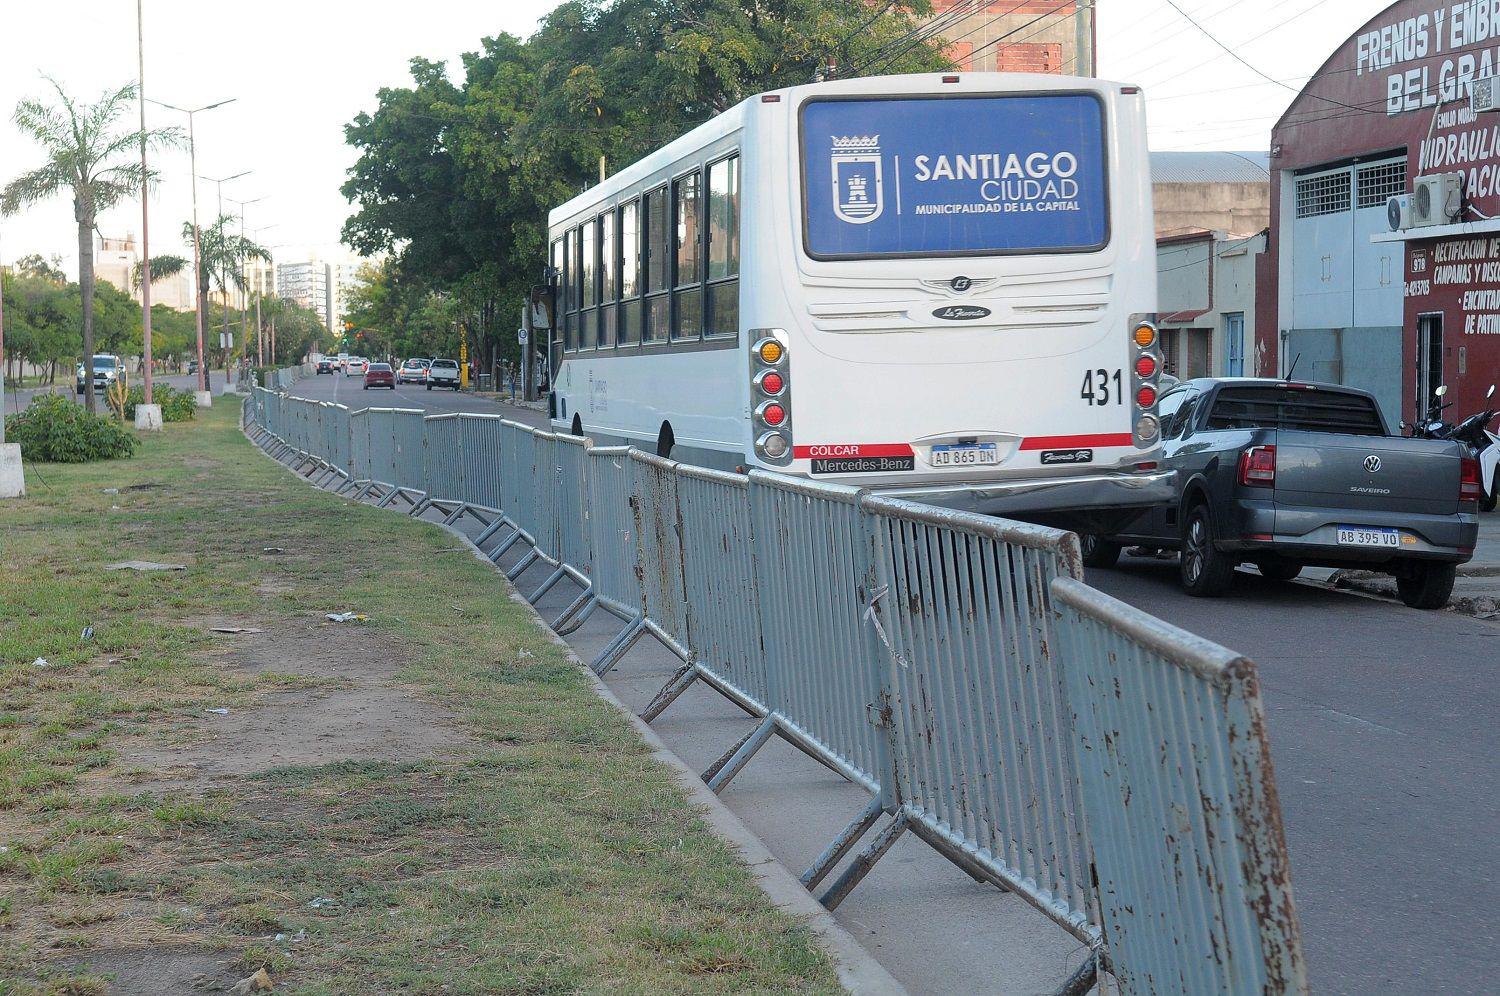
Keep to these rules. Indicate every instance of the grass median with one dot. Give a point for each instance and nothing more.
(433, 800)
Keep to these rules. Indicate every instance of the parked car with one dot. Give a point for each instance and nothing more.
(443, 373)
(380, 375)
(356, 366)
(413, 371)
(106, 370)
(325, 366)
(1289, 475)
(192, 366)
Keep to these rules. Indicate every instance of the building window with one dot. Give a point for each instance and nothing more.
(630, 274)
(1324, 194)
(1379, 182)
(687, 298)
(724, 247)
(658, 256)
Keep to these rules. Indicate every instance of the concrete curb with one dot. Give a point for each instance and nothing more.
(858, 971)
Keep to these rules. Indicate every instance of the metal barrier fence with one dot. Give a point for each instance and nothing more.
(1111, 770)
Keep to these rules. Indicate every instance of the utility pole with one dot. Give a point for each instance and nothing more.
(200, 294)
(140, 47)
(1085, 40)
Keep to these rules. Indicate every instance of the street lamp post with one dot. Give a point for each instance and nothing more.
(12, 473)
(224, 273)
(244, 281)
(199, 296)
(260, 292)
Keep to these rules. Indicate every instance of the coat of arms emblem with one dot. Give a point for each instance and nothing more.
(858, 185)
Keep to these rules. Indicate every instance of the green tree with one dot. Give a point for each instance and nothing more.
(454, 180)
(86, 156)
(222, 255)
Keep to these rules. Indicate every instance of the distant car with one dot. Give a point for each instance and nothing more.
(1287, 475)
(106, 370)
(443, 373)
(356, 366)
(192, 366)
(380, 375)
(325, 366)
(413, 371)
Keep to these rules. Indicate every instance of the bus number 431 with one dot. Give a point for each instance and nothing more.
(1097, 390)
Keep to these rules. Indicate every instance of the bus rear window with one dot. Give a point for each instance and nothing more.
(956, 176)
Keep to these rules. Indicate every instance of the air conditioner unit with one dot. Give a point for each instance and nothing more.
(1398, 212)
(1484, 95)
(1437, 199)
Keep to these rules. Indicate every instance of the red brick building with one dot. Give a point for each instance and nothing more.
(1019, 36)
(1395, 310)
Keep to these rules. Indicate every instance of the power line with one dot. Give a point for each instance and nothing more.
(1275, 27)
(889, 54)
(1242, 61)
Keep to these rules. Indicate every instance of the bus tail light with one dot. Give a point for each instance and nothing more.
(1146, 428)
(773, 445)
(1470, 483)
(1145, 335)
(1258, 467)
(1145, 397)
(1145, 365)
(770, 380)
(771, 413)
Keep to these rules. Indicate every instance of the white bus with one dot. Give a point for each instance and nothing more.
(935, 286)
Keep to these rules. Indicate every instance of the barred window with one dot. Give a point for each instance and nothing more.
(1380, 182)
(1325, 194)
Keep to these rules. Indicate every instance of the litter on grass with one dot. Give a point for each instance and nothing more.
(347, 617)
(41, 662)
(218, 712)
(234, 629)
(272, 549)
(87, 634)
(144, 565)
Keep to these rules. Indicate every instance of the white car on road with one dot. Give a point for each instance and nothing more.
(413, 371)
(443, 373)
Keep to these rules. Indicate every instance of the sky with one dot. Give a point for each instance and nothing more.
(299, 70)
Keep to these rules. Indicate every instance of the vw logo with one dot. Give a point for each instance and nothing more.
(961, 284)
(1372, 463)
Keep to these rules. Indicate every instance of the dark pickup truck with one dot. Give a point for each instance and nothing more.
(1287, 475)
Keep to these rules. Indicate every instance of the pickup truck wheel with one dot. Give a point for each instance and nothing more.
(1426, 586)
(1098, 552)
(1278, 570)
(1205, 571)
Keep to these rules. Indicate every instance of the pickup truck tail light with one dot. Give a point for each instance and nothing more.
(1258, 467)
(1470, 483)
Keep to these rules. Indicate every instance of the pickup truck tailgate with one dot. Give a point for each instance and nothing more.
(1386, 473)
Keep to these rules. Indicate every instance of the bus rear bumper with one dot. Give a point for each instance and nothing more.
(1051, 498)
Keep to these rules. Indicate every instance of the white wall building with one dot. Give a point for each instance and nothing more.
(1205, 285)
(322, 285)
(115, 261)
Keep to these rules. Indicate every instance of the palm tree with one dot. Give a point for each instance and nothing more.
(86, 156)
(222, 256)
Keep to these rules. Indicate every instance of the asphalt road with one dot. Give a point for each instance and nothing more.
(1384, 733)
(346, 390)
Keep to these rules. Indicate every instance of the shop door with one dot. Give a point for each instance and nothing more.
(1429, 359)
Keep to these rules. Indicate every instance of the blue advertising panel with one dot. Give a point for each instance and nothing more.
(910, 176)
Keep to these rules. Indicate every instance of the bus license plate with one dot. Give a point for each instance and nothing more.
(1362, 536)
(964, 455)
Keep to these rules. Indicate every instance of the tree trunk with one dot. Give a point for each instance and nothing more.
(85, 219)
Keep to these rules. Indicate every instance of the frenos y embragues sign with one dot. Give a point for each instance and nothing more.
(954, 176)
(1430, 57)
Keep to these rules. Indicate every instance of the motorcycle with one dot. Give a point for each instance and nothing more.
(1474, 433)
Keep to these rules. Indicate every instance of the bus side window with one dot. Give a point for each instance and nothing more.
(657, 302)
(588, 335)
(569, 292)
(687, 297)
(561, 284)
(609, 287)
(630, 274)
(724, 247)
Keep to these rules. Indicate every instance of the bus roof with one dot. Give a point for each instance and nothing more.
(733, 119)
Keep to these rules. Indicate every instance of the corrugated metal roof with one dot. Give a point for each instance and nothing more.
(1210, 167)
